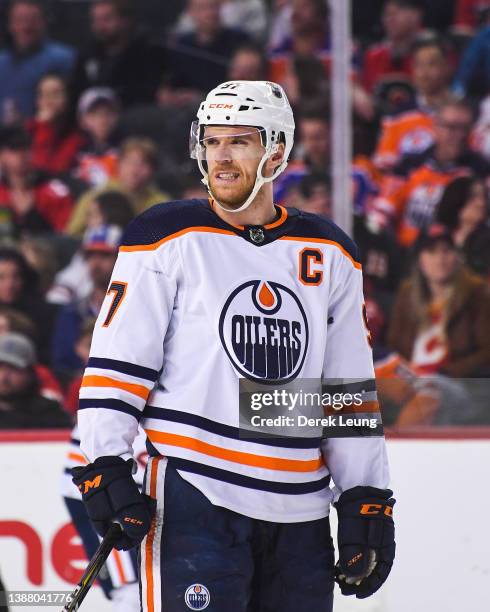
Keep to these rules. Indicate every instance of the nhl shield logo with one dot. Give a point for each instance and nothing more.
(264, 331)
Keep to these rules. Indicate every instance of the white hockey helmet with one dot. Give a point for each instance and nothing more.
(259, 104)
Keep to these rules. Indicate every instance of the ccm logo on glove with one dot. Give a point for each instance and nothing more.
(90, 484)
(111, 495)
(366, 540)
(376, 509)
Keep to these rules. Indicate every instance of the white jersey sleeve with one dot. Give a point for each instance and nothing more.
(127, 348)
(352, 461)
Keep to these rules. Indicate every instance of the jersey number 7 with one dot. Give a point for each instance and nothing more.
(118, 288)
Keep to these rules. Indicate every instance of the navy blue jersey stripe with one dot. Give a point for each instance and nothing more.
(75, 441)
(123, 367)
(112, 404)
(176, 416)
(286, 488)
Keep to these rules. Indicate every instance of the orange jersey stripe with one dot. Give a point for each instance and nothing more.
(105, 381)
(119, 567)
(150, 538)
(355, 263)
(187, 230)
(213, 230)
(77, 457)
(270, 463)
(364, 407)
(280, 221)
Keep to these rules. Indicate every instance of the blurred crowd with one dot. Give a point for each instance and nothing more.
(96, 100)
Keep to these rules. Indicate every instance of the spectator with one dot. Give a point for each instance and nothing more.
(74, 282)
(29, 202)
(22, 406)
(200, 58)
(13, 321)
(247, 15)
(469, 13)
(280, 23)
(463, 210)
(27, 59)
(250, 16)
(306, 79)
(110, 208)
(296, 62)
(119, 57)
(55, 139)
(100, 247)
(315, 194)
(440, 321)
(402, 20)
(82, 349)
(135, 175)
(309, 29)
(313, 148)
(309, 37)
(409, 199)
(41, 255)
(413, 131)
(19, 290)
(98, 114)
(473, 75)
(248, 63)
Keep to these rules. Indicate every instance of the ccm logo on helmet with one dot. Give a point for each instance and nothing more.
(376, 509)
(221, 105)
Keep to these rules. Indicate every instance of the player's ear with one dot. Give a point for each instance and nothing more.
(274, 160)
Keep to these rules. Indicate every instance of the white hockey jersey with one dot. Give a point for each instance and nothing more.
(195, 304)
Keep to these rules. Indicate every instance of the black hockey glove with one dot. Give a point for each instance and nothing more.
(110, 495)
(366, 540)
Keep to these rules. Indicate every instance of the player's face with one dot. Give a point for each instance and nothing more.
(232, 155)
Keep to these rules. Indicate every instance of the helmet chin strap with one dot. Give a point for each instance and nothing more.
(259, 181)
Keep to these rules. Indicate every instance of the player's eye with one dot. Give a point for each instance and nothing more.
(210, 142)
(239, 141)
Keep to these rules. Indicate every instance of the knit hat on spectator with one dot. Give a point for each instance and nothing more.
(434, 234)
(17, 350)
(104, 238)
(94, 96)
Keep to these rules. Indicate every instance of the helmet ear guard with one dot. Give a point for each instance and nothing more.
(259, 104)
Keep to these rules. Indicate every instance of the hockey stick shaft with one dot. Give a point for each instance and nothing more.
(93, 568)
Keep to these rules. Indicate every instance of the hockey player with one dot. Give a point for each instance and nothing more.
(205, 293)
